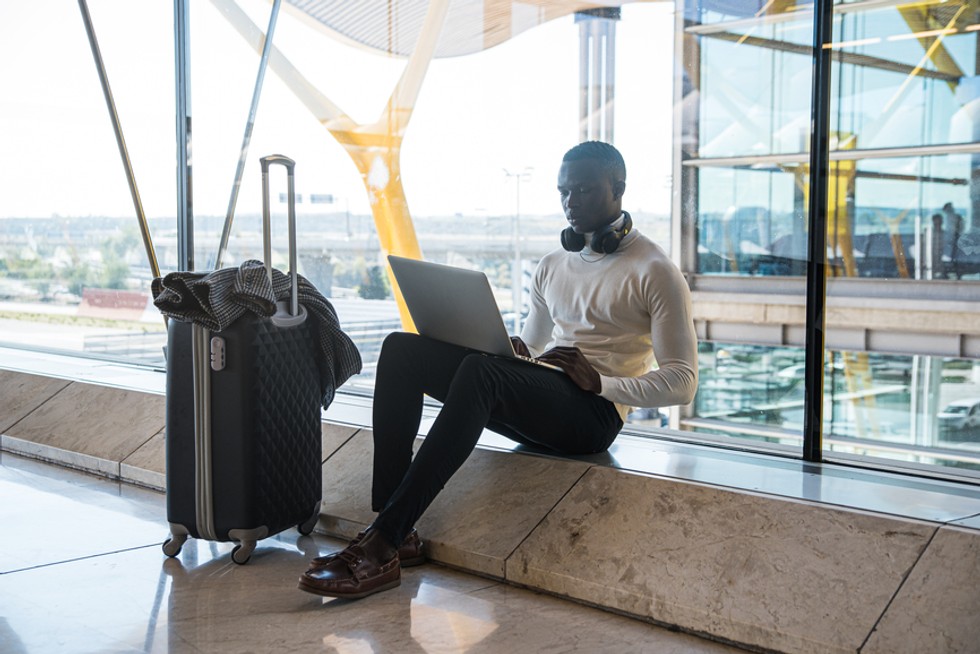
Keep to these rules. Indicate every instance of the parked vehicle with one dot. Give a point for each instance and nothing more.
(960, 419)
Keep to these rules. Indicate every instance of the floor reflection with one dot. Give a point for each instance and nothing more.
(84, 572)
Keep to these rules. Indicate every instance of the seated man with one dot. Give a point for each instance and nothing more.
(605, 308)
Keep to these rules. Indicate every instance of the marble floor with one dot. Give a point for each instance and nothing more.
(81, 570)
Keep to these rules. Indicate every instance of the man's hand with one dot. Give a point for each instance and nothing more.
(575, 365)
(520, 347)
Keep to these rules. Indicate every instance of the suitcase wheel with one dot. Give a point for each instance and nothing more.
(306, 528)
(243, 552)
(173, 545)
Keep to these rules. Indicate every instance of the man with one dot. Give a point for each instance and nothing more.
(604, 308)
(954, 229)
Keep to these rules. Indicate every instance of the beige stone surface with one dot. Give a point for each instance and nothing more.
(771, 573)
(21, 393)
(938, 606)
(334, 436)
(151, 455)
(926, 316)
(347, 487)
(107, 423)
(489, 506)
(67, 458)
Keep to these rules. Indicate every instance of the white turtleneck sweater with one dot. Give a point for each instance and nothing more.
(629, 313)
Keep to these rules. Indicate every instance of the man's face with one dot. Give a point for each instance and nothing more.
(589, 197)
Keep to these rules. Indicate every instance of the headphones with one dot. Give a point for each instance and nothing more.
(604, 241)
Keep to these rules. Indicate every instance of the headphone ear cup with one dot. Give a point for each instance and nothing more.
(604, 241)
(607, 239)
(571, 241)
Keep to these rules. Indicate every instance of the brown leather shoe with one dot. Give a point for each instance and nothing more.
(409, 552)
(363, 568)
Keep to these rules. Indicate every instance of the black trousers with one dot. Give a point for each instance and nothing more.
(529, 404)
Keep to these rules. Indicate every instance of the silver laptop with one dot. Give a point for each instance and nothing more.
(454, 305)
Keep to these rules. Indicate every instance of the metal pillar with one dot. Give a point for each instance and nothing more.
(686, 140)
(120, 139)
(816, 277)
(185, 196)
(253, 109)
(597, 73)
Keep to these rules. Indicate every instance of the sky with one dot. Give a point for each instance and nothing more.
(513, 107)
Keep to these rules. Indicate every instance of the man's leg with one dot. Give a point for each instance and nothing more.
(410, 366)
(542, 405)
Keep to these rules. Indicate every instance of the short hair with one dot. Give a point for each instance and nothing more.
(608, 157)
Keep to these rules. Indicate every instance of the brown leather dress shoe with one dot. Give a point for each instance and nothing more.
(409, 552)
(363, 568)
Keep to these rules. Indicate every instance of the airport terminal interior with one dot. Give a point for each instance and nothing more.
(810, 166)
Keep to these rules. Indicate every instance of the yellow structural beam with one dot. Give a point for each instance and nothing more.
(931, 34)
(375, 148)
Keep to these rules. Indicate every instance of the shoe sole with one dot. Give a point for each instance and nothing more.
(406, 563)
(316, 590)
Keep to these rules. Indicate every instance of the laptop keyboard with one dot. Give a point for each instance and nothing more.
(538, 362)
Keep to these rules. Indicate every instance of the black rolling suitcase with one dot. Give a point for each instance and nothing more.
(243, 431)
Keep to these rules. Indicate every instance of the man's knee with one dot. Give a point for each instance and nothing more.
(397, 340)
(398, 344)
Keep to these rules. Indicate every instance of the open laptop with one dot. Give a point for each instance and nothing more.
(454, 305)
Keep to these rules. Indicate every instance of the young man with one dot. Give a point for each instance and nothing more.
(605, 308)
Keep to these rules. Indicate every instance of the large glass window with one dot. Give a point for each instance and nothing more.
(454, 157)
(901, 206)
(74, 273)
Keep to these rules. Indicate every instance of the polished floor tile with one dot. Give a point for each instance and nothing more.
(81, 570)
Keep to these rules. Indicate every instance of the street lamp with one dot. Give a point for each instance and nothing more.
(517, 272)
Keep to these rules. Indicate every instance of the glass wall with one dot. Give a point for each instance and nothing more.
(74, 273)
(456, 155)
(472, 169)
(901, 231)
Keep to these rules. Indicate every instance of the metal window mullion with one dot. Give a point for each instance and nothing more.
(686, 143)
(120, 138)
(247, 138)
(816, 277)
(185, 213)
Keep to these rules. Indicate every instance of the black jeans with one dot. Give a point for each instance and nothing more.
(530, 404)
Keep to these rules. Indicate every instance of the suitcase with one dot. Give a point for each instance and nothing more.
(243, 430)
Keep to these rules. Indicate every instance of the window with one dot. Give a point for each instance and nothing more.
(710, 102)
(900, 227)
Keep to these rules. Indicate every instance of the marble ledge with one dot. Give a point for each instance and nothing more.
(935, 610)
(67, 458)
(722, 562)
(480, 517)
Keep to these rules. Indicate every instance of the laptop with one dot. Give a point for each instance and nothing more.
(455, 305)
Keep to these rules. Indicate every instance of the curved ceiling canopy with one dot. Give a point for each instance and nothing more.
(393, 26)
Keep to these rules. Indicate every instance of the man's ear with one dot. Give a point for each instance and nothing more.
(619, 187)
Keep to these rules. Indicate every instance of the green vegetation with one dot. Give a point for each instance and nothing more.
(375, 285)
(45, 270)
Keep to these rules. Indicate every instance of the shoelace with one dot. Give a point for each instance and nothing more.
(350, 557)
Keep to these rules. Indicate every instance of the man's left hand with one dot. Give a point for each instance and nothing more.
(575, 365)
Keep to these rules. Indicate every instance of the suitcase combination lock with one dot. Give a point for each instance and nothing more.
(217, 353)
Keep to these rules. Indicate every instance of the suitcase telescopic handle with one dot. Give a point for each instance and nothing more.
(267, 224)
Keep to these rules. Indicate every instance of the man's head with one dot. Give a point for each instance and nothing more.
(591, 182)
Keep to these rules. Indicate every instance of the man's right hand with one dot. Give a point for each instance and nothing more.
(520, 347)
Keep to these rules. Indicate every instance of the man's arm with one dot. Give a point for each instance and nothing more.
(675, 346)
(538, 328)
